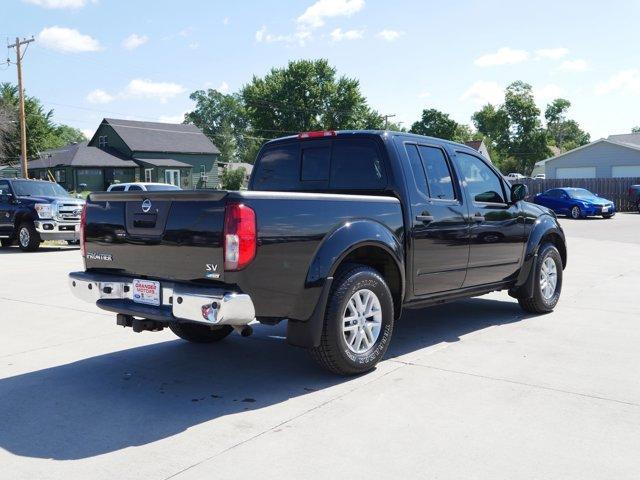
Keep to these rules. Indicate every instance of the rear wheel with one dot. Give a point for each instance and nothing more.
(196, 333)
(6, 242)
(358, 322)
(28, 237)
(547, 281)
(576, 213)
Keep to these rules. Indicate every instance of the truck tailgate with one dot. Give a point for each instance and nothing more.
(174, 235)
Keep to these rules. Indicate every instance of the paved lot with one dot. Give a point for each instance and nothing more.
(474, 389)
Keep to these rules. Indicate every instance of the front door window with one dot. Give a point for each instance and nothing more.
(172, 177)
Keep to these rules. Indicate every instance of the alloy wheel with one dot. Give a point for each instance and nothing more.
(548, 278)
(24, 237)
(362, 321)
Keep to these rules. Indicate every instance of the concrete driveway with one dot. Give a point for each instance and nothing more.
(474, 389)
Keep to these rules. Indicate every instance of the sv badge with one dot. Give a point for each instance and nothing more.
(211, 270)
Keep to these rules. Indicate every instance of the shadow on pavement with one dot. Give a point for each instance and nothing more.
(133, 397)
(16, 250)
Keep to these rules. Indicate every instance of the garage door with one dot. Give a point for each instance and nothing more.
(625, 171)
(576, 172)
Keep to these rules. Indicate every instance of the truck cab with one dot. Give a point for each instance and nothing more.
(33, 211)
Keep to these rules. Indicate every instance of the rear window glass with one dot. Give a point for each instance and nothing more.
(278, 168)
(355, 164)
(340, 164)
(315, 164)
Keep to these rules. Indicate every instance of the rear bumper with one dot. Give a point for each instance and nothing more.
(54, 230)
(178, 302)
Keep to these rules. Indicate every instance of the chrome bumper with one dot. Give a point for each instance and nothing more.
(54, 230)
(211, 306)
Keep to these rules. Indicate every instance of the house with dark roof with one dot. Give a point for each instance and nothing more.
(480, 147)
(617, 156)
(128, 151)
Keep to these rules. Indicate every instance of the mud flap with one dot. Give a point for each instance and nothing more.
(307, 333)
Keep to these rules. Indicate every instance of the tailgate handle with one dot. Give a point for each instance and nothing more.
(425, 218)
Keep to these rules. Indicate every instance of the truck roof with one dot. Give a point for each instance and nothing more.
(373, 133)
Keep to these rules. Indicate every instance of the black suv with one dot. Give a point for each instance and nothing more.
(32, 211)
(634, 197)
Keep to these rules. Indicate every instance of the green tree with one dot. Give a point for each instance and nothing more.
(435, 123)
(564, 134)
(224, 120)
(514, 129)
(306, 95)
(233, 178)
(635, 129)
(42, 132)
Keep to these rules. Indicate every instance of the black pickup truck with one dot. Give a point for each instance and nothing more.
(338, 232)
(32, 211)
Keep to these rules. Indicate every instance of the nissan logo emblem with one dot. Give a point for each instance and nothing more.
(146, 205)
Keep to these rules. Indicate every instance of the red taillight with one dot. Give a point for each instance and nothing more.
(317, 134)
(239, 236)
(83, 222)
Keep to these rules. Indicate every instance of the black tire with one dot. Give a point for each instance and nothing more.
(6, 242)
(333, 353)
(638, 207)
(538, 303)
(73, 242)
(576, 212)
(196, 333)
(30, 241)
(607, 215)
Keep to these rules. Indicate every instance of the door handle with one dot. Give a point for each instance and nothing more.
(478, 217)
(424, 218)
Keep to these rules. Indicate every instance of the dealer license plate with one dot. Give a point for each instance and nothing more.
(146, 291)
(605, 209)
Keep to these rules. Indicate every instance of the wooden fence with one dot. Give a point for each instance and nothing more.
(614, 189)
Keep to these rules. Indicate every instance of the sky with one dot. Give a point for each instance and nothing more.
(141, 59)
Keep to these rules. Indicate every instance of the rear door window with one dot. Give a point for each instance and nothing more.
(438, 173)
(134, 187)
(356, 165)
(119, 188)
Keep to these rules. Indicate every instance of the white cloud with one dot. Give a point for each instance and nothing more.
(552, 53)
(546, 93)
(223, 87)
(99, 96)
(481, 93)
(185, 32)
(134, 40)
(67, 40)
(338, 35)
(58, 3)
(88, 132)
(172, 118)
(424, 94)
(225, 21)
(315, 15)
(389, 35)
(627, 81)
(147, 89)
(574, 66)
(504, 56)
(194, 45)
(300, 36)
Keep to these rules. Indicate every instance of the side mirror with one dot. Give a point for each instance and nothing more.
(519, 191)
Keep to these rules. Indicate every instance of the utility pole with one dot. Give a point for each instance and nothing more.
(23, 124)
(386, 119)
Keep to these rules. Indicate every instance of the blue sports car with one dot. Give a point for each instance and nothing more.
(575, 202)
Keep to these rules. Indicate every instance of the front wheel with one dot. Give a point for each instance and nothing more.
(28, 237)
(196, 333)
(607, 215)
(358, 322)
(547, 281)
(576, 213)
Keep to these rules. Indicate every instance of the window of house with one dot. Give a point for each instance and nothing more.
(438, 174)
(103, 141)
(61, 176)
(148, 175)
(482, 183)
